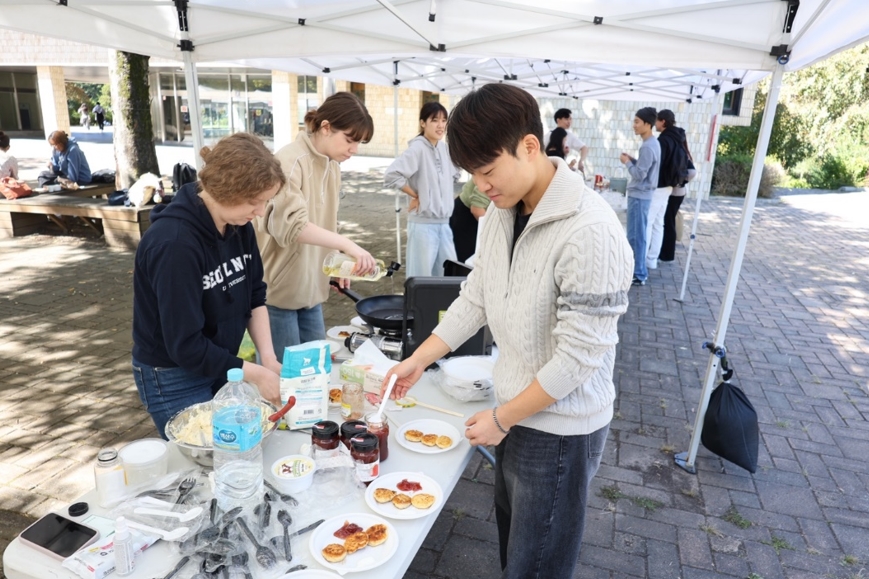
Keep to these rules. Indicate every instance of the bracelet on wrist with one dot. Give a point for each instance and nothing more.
(498, 424)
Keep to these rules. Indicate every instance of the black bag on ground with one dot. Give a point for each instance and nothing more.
(730, 427)
(103, 176)
(182, 173)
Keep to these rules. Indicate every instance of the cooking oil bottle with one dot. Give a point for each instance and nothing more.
(338, 264)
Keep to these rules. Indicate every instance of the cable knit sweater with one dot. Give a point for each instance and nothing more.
(552, 307)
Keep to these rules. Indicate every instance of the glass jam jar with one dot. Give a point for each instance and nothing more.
(380, 428)
(324, 438)
(351, 428)
(352, 401)
(366, 456)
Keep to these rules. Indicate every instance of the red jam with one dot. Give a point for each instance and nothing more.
(408, 486)
(380, 428)
(347, 530)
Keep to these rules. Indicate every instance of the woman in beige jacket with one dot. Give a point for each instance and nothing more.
(300, 226)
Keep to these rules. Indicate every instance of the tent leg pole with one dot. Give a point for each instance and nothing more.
(193, 108)
(707, 166)
(398, 193)
(687, 460)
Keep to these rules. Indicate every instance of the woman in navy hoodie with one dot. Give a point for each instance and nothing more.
(198, 283)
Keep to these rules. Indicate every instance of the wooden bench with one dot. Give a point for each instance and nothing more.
(121, 226)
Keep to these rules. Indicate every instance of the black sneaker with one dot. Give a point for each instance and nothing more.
(638, 281)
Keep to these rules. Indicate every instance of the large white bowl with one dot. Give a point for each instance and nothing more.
(202, 454)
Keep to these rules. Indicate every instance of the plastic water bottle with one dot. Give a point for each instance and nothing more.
(237, 435)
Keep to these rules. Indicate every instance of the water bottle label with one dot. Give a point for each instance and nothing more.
(238, 428)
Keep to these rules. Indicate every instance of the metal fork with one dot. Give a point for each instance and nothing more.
(184, 489)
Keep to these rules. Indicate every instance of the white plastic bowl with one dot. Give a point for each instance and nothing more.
(144, 460)
(293, 473)
(468, 378)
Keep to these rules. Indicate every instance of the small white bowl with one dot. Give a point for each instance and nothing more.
(293, 473)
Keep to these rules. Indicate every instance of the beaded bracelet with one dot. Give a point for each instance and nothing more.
(498, 424)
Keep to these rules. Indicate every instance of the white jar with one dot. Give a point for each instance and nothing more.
(109, 478)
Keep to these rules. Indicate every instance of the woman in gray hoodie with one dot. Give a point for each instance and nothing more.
(426, 173)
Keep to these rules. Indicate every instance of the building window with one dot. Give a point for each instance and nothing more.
(308, 97)
(428, 97)
(732, 103)
(358, 89)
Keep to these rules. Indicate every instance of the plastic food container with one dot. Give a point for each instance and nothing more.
(293, 473)
(468, 378)
(144, 460)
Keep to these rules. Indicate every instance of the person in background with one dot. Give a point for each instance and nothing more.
(551, 284)
(667, 122)
(8, 163)
(67, 161)
(563, 120)
(424, 171)
(198, 283)
(299, 227)
(644, 180)
(469, 207)
(84, 118)
(673, 172)
(557, 146)
(100, 115)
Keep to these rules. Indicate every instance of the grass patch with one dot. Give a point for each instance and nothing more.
(612, 493)
(692, 493)
(734, 518)
(668, 449)
(754, 576)
(781, 423)
(458, 514)
(778, 544)
(645, 503)
(850, 560)
(710, 530)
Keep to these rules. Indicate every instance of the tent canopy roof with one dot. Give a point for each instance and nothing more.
(610, 49)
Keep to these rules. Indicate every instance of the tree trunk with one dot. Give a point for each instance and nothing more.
(135, 153)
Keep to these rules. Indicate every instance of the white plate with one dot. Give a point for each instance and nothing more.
(428, 426)
(358, 322)
(334, 332)
(363, 559)
(311, 574)
(388, 481)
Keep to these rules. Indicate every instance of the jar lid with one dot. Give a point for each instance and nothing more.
(352, 427)
(324, 429)
(371, 418)
(144, 452)
(107, 455)
(77, 509)
(364, 442)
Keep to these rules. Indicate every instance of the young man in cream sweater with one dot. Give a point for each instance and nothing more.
(551, 279)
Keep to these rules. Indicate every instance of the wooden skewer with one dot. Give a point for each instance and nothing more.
(439, 409)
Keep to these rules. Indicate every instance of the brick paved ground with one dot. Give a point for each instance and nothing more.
(799, 340)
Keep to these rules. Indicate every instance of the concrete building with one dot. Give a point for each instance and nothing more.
(272, 104)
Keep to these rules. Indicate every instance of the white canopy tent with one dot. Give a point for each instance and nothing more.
(607, 49)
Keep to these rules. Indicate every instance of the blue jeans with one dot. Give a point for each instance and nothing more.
(429, 245)
(541, 487)
(294, 327)
(167, 391)
(638, 218)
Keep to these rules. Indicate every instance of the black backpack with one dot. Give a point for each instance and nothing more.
(674, 173)
(182, 173)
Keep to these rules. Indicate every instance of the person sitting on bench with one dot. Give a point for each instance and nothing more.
(67, 161)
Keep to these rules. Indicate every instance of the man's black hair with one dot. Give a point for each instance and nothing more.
(648, 115)
(562, 114)
(489, 121)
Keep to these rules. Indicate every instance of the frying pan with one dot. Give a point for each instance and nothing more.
(385, 312)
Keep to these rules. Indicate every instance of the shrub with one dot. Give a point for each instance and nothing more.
(846, 165)
(731, 174)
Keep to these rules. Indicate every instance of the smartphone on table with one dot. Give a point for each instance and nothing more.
(58, 536)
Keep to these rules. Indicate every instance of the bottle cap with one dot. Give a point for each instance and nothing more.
(364, 442)
(235, 375)
(352, 427)
(78, 509)
(324, 429)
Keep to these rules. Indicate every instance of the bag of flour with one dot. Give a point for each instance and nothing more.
(305, 375)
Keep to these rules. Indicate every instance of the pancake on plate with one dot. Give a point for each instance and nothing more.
(444, 442)
(356, 541)
(422, 500)
(376, 535)
(334, 553)
(384, 495)
(413, 435)
(430, 439)
(401, 501)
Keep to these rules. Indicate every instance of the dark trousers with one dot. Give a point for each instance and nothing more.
(464, 226)
(49, 177)
(101, 120)
(668, 246)
(541, 490)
